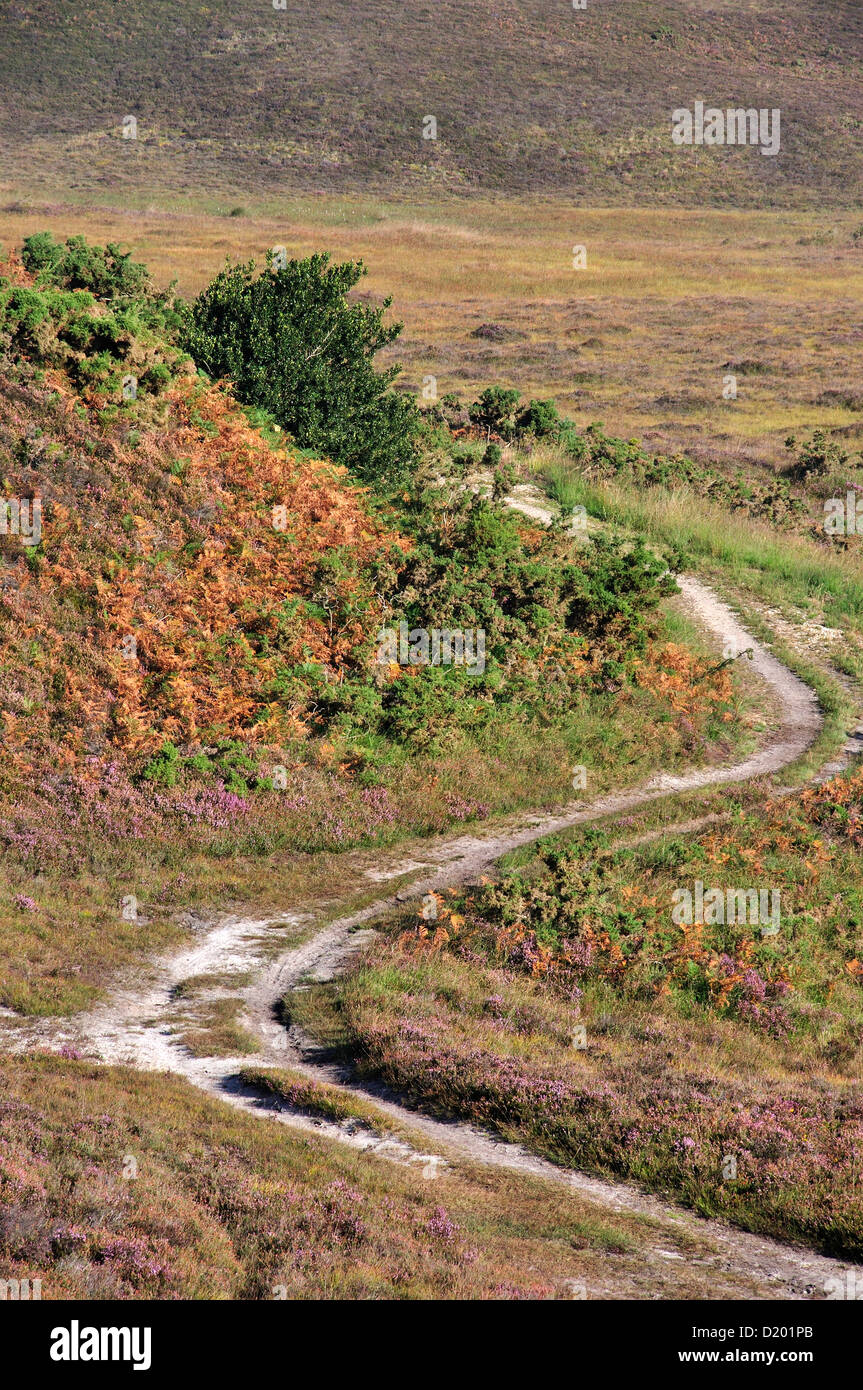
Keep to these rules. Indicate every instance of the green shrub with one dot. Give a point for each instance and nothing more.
(495, 410)
(291, 344)
(106, 271)
(503, 481)
(164, 767)
(93, 312)
(815, 458)
(540, 418)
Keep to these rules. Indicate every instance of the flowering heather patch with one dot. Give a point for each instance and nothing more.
(440, 1227)
(563, 1006)
(462, 810)
(223, 1206)
(638, 1110)
(213, 806)
(99, 797)
(378, 807)
(97, 804)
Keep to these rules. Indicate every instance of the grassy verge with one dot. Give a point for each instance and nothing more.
(774, 567)
(816, 594)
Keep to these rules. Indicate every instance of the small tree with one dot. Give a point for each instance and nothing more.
(292, 344)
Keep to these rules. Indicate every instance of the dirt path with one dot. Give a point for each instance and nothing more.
(137, 1025)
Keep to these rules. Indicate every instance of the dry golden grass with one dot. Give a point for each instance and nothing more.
(639, 339)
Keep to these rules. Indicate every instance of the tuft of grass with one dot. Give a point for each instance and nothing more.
(316, 1009)
(214, 1031)
(311, 1097)
(194, 985)
(562, 485)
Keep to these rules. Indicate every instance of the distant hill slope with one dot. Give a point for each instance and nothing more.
(234, 99)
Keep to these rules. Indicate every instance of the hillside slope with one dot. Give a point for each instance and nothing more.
(528, 97)
(162, 600)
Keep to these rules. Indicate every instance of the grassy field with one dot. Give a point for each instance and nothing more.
(671, 302)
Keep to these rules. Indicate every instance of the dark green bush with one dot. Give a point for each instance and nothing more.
(540, 418)
(109, 274)
(292, 344)
(106, 271)
(495, 410)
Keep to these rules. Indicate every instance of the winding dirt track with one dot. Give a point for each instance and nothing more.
(136, 1025)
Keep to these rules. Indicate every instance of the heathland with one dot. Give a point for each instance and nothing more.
(621, 361)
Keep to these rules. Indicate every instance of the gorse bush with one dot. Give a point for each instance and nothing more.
(71, 329)
(495, 410)
(558, 622)
(498, 410)
(540, 418)
(590, 454)
(815, 457)
(291, 343)
(106, 272)
(93, 312)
